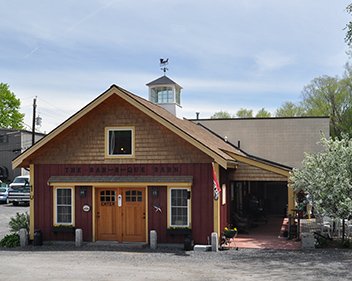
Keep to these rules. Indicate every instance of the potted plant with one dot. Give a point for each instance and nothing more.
(230, 232)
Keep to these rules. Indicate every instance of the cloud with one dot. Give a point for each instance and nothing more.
(60, 98)
(272, 61)
(239, 86)
(224, 53)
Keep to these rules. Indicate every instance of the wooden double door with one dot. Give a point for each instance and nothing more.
(120, 214)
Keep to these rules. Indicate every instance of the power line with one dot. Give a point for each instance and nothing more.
(53, 106)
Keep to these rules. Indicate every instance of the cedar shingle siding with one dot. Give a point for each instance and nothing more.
(83, 141)
(245, 172)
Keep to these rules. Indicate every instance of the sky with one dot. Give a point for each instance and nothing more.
(226, 55)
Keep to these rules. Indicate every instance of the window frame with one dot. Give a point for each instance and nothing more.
(107, 142)
(162, 94)
(55, 222)
(169, 209)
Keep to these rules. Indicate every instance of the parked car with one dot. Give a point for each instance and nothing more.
(19, 191)
(4, 192)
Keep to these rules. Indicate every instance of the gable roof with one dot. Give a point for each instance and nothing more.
(225, 154)
(194, 134)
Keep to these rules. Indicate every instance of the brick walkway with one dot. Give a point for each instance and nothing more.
(266, 236)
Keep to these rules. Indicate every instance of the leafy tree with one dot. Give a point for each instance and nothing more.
(244, 113)
(221, 115)
(330, 96)
(289, 109)
(263, 113)
(346, 85)
(327, 177)
(10, 117)
(348, 37)
(326, 96)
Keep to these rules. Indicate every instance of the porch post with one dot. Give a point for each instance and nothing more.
(290, 199)
(31, 202)
(217, 204)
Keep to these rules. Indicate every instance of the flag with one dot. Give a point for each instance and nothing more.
(216, 185)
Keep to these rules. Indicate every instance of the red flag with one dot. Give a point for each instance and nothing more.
(216, 185)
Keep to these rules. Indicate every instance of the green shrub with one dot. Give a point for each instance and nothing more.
(10, 241)
(19, 221)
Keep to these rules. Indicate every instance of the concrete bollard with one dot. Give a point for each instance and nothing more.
(214, 242)
(78, 237)
(153, 239)
(308, 240)
(23, 233)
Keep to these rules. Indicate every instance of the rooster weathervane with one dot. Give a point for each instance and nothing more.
(163, 64)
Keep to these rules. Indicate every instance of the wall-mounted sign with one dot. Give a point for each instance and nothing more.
(86, 208)
(110, 169)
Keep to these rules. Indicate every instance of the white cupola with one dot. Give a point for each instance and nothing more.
(166, 93)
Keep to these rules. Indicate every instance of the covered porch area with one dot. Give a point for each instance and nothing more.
(259, 204)
(268, 236)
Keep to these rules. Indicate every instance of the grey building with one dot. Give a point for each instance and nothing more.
(281, 140)
(12, 143)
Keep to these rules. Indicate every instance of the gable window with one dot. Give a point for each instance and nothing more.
(63, 204)
(179, 209)
(119, 142)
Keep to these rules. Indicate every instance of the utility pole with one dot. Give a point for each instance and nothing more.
(33, 122)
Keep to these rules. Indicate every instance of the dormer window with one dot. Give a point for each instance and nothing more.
(119, 142)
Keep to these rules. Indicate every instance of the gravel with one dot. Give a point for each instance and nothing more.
(94, 261)
(58, 262)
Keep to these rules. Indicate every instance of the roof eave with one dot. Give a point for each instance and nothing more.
(20, 159)
(261, 164)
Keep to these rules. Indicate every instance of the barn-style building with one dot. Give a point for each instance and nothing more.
(123, 166)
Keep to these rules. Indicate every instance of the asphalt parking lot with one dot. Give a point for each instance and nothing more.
(96, 261)
(6, 212)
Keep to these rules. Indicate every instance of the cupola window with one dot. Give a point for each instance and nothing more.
(162, 95)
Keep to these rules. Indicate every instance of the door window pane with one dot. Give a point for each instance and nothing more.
(134, 196)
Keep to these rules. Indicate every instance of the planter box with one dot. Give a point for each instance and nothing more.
(63, 229)
(179, 231)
